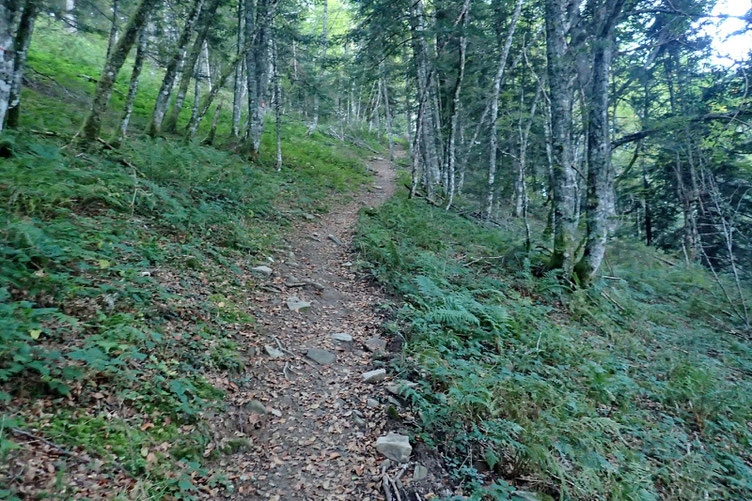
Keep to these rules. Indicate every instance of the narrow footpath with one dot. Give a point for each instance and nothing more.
(311, 418)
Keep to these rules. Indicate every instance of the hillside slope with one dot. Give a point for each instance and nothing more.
(637, 388)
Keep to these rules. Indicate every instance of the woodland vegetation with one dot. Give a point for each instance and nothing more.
(570, 246)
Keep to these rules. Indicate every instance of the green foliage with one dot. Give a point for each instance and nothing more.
(633, 389)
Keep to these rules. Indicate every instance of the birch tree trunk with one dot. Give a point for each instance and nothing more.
(524, 136)
(493, 119)
(93, 122)
(199, 114)
(237, 95)
(277, 103)
(21, 45)
(69, 15)
(163, 97)
(455, 108)
(559, 69)
(113, 27)
(138, 64)
(315, 121)
(388, 119)
(7, 55)
(171, 122)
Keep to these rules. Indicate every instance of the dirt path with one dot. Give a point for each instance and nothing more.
(316, 439)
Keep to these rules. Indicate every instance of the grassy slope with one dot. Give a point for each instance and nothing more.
(640, 388)
(123, 286)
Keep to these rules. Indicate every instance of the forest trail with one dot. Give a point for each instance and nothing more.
(316, 438)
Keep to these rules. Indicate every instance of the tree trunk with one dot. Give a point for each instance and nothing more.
(7, 58)
(559, 68)
(163, 97)
(455, 108)
(69, 16)
(113, 27)
(93, 122)
(493, 119)
(21, 44)
(213, 131)
(277, 103)
(524, 135)
(265, 12)
(315, 121)
(388, 119)
(198, 115)
(237, 95)
(138, 64)
(600, 174)
(207, 17)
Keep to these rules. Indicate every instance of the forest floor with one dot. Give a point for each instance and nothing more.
(313, 424)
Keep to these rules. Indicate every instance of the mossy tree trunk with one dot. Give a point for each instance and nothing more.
(93, 122)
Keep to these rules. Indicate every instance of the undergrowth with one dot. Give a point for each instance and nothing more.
(639, 388)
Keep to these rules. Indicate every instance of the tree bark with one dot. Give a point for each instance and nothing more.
(207, 17)
(21, 45)
(265, 12)
(163, 97)
(559, 67)
(455, 108)
(7, 55)
(277, 103)
(315, 121)
(113, 27)
(93, 122)
(237, 95)
(196, 117)
(600, 177)
(493, 139)
(138, 64)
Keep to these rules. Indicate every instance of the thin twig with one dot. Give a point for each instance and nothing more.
(31, 436)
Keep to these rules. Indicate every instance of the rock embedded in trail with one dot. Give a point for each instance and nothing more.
(294, 303)
(419, 473)
(375, 344)
(263, 270)
(372, 403)
(256, 406)
(341, 336)
(374, 376)
(336, 240)
(321, 357)
(395, 446)
(273, 352)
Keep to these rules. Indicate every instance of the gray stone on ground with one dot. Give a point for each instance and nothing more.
(395, 446)
(374, 375)
(256, 406)
(420, 472)
(372, 403)
(273, 352)
(341, 336)
(375, 344)
(321, 357)
(336, 240)
(294, 303)
(400, 386)
(264, 270)
(308, 217)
